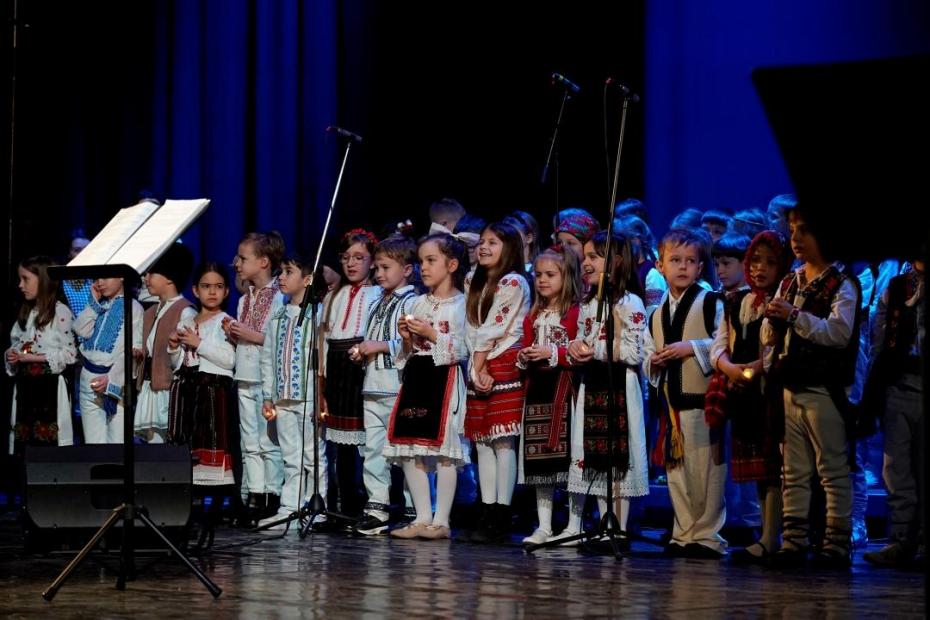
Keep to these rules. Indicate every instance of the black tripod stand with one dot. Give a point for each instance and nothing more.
(128, 510)
(316, 505)
(609, 526)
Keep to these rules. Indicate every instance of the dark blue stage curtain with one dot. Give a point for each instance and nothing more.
(243, 92)
(708, 144)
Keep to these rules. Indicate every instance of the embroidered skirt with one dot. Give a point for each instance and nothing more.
(203, 414)
(36, 421)
(498, 413)
(345, 422)
(427, 417)
(755, 439)
(595, 418)
(545, 443)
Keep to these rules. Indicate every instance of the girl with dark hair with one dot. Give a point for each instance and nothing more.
(41, 347)
(589, 454)
(425, 430)
(498, 299)
(202, 411)
(343, 327)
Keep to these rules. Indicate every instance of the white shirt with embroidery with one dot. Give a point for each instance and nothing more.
(503, 325)
(247, 354)
(215, 354)
(345, 315)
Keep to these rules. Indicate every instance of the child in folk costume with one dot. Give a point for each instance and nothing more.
(812, 325)
(100, 324)
(677, 362)
(427, 422)
(164, 280)
(343, 326)
(498, 300)
(757, 429)
(41, 348)
(257, 259)
(394, 263)
(287, 390)
(590, 450)
(203, 405)
(574, 228)
(898, 335)
(550, 381)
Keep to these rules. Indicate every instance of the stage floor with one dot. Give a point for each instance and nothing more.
(340, 577)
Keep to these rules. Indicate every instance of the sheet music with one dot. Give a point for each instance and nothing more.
(115, 234)
(158, 232)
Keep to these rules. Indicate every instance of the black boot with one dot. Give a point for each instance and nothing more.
(272, 503)
(255, 506)
(480, 517)
(488, 529)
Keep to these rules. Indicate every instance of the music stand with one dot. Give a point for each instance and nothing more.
(128, 510)
(855, 138)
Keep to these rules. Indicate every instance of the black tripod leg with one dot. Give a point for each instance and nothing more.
(209, 585)
(52, 590)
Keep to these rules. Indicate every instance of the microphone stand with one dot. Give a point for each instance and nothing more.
(553, 153)
(316, 505)
(608, 526)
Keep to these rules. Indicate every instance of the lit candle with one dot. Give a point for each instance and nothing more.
(748, 373)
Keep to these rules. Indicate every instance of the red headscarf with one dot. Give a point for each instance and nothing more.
(776, 242)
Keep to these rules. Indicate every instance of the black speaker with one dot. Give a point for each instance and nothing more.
(79, 486)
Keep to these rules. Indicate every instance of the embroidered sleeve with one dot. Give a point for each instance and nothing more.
(450, 346)
(396, 344)
(266, 361)
(117, 373)
(83, 325)
(505, 317)
(837, 328)
(61, 351)
(655, 288)
(571, 332)
(630, 319)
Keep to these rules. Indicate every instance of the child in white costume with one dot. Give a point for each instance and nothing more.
(41, 348)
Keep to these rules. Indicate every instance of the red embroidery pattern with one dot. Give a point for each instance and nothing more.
(255, 316)
(637, 317)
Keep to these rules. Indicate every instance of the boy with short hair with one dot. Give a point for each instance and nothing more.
(812, 323)
(729, 251)
(677, 353)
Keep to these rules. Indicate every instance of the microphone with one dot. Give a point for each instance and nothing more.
(345, 133)
(558, 78)
(624, 90)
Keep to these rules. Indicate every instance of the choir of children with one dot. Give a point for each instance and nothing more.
(480, 342)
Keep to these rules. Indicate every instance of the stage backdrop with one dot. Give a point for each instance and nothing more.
(228, 99)
(708, 144)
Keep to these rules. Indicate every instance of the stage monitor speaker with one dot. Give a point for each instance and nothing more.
(79, 486)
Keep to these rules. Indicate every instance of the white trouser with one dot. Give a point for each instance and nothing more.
(97, 428)
(696, 487)
(290, 423)
(376, 472)
(261, 456)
